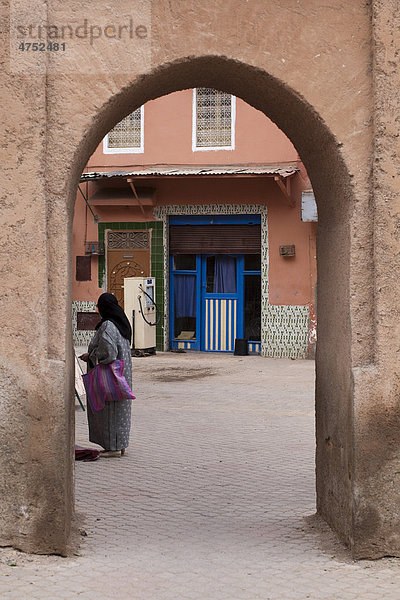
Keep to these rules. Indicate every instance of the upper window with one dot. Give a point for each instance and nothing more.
(127, 135)
(213, 120)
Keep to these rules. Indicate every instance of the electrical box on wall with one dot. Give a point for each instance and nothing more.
(309, 213)
(94, 248)
(140, 308)
(289, 250)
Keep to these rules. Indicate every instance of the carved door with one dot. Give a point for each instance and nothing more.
(128, 255)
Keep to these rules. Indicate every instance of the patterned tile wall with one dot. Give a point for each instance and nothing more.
(81, 337)
(284, 329)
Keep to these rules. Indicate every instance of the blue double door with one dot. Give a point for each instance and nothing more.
(214, 299)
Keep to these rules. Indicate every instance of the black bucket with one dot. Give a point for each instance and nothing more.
(241, 347)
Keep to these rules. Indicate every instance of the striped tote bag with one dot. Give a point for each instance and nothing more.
(106, 383)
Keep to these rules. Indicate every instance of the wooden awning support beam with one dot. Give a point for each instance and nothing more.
(284, 186)
(95, 217)
(130, 181)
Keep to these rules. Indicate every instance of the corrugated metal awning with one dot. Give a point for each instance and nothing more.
(194, 170)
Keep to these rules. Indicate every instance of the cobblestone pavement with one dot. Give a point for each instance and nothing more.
(214, 499)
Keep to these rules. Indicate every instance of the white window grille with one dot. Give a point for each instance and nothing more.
(213, 120)
(127, 135)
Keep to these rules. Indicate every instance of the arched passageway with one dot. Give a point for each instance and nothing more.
(328, 118)
(331, 182)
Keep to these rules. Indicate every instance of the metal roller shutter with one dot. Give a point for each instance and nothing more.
(215, 239)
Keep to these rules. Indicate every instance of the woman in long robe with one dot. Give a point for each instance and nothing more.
(110, 427)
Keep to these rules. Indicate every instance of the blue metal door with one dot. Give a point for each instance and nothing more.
(221, 302)
(185, 304)
(207, 297)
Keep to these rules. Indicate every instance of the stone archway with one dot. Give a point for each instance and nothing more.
(335, 197)
(326, 112)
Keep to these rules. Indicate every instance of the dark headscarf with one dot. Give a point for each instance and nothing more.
(110, 310)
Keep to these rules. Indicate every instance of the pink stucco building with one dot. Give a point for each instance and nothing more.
(204, 193)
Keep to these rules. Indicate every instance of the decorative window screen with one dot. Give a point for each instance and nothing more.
(127, 133)
(213, 119)
(118, 240)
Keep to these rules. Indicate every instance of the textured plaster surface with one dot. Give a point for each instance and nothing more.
(318, 87)
(377, 388)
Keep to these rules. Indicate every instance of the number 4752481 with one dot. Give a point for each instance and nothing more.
(42, 46)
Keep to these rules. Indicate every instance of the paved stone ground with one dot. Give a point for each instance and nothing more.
(213, 501)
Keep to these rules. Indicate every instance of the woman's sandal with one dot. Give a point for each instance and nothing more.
(111, 453)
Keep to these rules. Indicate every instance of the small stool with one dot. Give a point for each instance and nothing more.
(241, 347)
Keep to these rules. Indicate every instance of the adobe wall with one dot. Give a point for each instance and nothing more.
(167, 124)
(318, 87)
(377, 388)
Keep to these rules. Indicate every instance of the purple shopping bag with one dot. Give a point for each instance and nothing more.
(106, 383)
